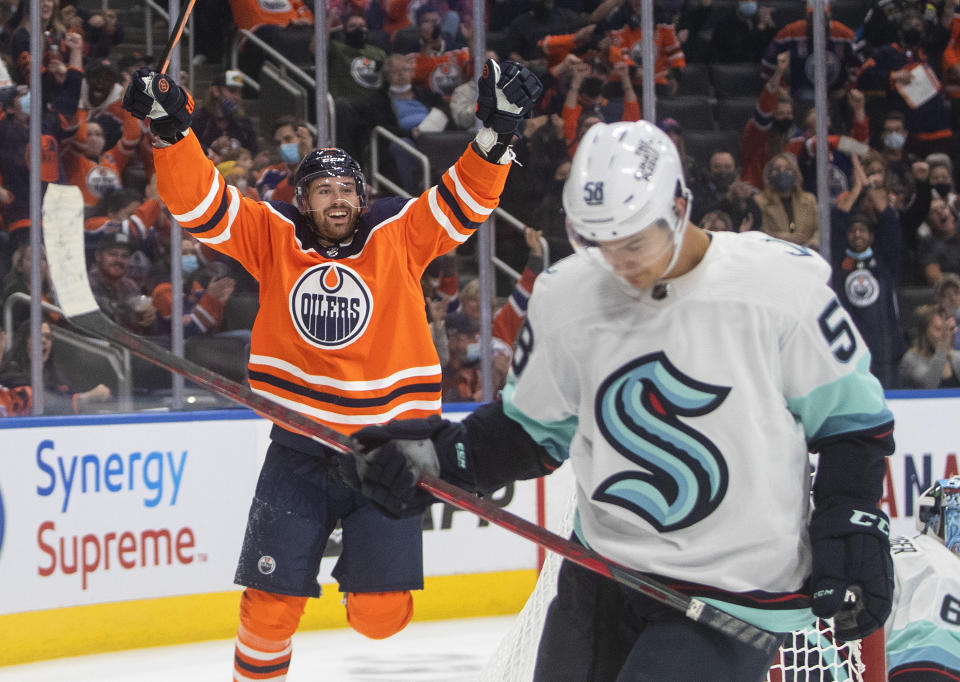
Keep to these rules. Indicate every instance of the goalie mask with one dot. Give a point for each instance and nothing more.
(624, 182)
(938, 512)
(331, 162)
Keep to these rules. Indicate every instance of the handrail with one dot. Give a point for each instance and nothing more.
(285, 64)
(117, 358)
(378, 177)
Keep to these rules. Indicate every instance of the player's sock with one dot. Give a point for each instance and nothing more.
(259, 658)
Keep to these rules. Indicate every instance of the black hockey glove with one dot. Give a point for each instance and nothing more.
(155, 96)
(392, 456)
(506, 93)
(851, 550)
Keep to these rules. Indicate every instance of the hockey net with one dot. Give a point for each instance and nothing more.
(810, 655)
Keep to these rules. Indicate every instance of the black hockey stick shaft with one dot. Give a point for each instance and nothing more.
(96, 323)
(164, 61)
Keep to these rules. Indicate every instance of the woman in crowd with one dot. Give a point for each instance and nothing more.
(931, 361)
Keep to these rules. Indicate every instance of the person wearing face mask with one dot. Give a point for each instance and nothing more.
(892, 68)
(293, 142)
(221, 114)
(941, 178)
(865, 254)
(742, 33)
(769, 129)
(787, 212)
(88, 165)
(204, 295)
(355, 78)
(585, 104)
(719, 188)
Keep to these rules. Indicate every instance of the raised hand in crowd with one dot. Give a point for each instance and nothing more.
(221, 288)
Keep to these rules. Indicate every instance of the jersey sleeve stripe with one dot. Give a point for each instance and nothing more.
(464, 195)
(431, 406)
(213, 220)
(204, 205)
(339, 400)
(442, 218)
(454, 206)
(232, 211)
(320, 380)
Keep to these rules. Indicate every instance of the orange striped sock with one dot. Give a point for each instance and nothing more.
(258, 658)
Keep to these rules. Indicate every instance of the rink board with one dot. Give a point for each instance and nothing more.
(123, 531)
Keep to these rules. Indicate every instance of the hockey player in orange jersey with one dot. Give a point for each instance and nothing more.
(341, 336)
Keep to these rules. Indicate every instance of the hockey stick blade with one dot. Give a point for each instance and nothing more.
(63, 227)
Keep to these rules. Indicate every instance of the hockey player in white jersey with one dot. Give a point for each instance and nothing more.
(923, 632)
(684, 375)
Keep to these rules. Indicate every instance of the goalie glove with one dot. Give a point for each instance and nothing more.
(155, 96)
(851, 551)
(506, 93)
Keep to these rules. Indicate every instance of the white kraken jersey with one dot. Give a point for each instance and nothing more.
(923, 631)
(687, 419)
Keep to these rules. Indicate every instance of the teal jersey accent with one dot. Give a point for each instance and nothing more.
(852, 403)
(922, 641)
(555, 436)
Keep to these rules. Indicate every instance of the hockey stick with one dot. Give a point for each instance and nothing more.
(63, 229)
(174, 38)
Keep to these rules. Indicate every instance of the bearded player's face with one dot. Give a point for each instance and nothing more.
(334, 206)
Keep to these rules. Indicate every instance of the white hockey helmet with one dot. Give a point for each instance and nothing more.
(625, 178)
(938, 512)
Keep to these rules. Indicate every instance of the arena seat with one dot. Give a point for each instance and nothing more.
(732, 113)
(694, 81)
(692, 113)
(736, 79)
(700, 144)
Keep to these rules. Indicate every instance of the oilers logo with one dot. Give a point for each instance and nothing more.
(101, 180)
(445, 78)
(862, 288)
(330, 305)
(366, 72)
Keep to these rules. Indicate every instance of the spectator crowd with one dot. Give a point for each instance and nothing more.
(734, 83)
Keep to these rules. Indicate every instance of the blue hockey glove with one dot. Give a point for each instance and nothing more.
(851, 550)
(392, 457)
(506, 93)
(155, 96)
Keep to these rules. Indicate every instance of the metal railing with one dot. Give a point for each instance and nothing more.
(379, 178)
(117, 358)
(287, 67)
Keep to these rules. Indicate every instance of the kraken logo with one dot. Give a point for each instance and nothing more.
(684, 476)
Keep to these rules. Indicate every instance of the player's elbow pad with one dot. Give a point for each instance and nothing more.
(487, 450)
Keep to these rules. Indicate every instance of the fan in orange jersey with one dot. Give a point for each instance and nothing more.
(341, 337)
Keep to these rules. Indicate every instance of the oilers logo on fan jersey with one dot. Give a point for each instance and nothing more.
(862, 288)
(330, 305)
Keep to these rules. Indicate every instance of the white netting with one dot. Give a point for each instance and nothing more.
(806, 656)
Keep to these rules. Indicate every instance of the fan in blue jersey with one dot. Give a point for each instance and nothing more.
(685, 376)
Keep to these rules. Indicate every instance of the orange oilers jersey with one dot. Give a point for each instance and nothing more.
(249, 14)
(341, 335)
(669, 52)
